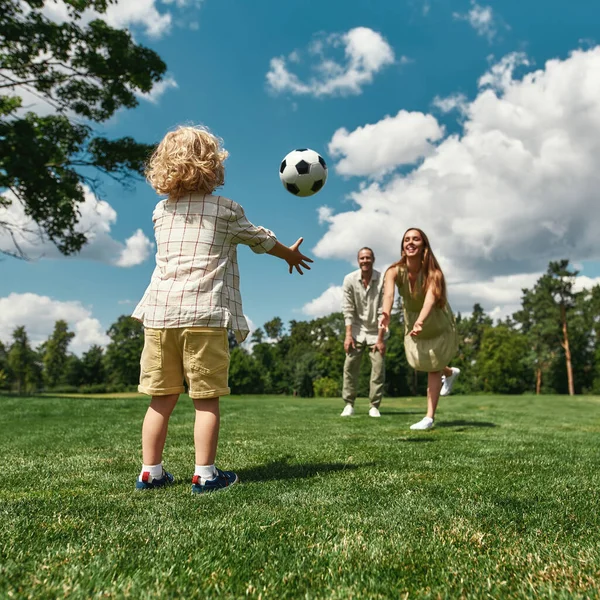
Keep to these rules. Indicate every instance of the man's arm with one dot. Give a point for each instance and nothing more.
(348, 308)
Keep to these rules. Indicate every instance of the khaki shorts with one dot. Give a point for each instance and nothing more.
(200, 355)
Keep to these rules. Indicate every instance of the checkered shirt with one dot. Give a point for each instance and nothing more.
(196, 281)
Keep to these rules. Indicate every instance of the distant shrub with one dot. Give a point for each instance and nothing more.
(326, 387)
(63, 389)
(93, 388)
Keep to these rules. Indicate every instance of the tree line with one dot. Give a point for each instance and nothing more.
(550, 345)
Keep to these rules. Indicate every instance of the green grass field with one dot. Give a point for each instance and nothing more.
(500, 500)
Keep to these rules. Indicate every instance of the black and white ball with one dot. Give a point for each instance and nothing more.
(303, 172)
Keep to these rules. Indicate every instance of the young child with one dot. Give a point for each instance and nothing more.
(193, 299)
(430, 339)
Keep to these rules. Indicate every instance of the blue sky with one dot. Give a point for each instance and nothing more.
(444, 115)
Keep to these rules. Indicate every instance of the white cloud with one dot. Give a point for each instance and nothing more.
(481, 18)
(247, 344)
(375, 149)
(499, 296)
(329, 301)
(501, 75)
(366, 52)
(158, 90)
(96, 221)
(184, 3)
(324, 214)
(137, 249)
(38, 315)
(583, 282)
(516, 189)
(449, 103)
(121, 15)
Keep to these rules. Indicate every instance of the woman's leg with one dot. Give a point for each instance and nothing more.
(434, 385)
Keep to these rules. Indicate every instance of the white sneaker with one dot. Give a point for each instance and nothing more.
(448, 382)
(424, 423)
(348, 411)
(374, 412)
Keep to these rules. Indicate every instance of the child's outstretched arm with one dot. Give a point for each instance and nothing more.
(291, 255)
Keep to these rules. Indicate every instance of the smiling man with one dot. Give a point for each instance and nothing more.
(361, 305)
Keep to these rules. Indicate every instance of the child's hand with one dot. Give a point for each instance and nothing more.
(296, 259)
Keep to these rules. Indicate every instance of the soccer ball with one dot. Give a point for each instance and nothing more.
(303, 172)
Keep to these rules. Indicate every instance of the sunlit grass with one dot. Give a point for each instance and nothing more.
(499, 500)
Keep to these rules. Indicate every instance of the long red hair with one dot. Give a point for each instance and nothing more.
(430, 267)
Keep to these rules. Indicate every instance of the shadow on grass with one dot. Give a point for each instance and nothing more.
(400, 413)
(461, 423)
(282, 469)
(416, 440)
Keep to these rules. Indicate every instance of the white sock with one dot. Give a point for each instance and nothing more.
(205, 471)
(154, 470)
(427, 420)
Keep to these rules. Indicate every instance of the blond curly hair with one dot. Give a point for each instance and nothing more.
(189, 159)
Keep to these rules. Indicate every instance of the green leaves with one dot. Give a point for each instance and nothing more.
(80, 71)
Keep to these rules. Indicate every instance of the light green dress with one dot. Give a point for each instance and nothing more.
(437, 344)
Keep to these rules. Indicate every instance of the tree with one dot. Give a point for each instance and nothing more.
(233, 343)
(562, 282)
(123, 353)
(85, 73)
(400, 378)
(244, 373)
(54, 357)
(538, 322)
(470, 332)
(502, 362)
(4, 374)
(73, 372)
(22, 361)
(544, 319)
(583, 324)
(258, 335)
(92, 363)
(271, 362)
(274, 328)
(594, 308)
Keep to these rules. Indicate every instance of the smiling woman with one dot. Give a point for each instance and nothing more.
(430, 339)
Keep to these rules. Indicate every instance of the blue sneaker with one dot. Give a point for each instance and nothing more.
(150, 483)
(222, 480)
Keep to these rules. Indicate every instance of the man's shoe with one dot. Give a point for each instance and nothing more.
(448, 382)
(374, 412)
(348, 411)
(147, 482)
(222, 480)
(424, 423)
